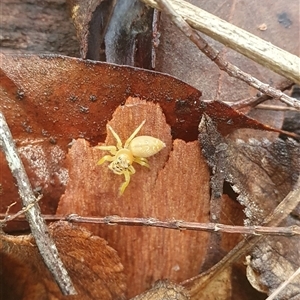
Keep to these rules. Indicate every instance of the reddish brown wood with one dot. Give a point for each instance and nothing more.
(176, 187)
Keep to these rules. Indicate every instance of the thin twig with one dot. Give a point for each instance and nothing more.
(275, 107)
(255, 48)
(254, 101)
(224, 65)
(170, 224)
(8, 217)
(37, 225)
(267, 106)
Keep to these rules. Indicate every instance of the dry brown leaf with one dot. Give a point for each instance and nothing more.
(48, 101)
(261, 172)
(93, 266)
(218, 87)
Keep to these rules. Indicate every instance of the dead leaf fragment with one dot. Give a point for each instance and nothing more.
(93, 266)
(262, 27)
(164, 290)
(262, 173)
(272, 262)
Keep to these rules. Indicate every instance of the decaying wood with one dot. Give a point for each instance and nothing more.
(264, 53)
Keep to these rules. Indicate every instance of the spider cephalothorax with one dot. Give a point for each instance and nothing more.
(136, 149)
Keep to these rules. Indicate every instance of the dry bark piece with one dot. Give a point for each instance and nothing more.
(171, 189)
(117, 32)
(90, 19)
(94, 267)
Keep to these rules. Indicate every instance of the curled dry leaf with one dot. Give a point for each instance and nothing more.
(273, 262)
(128, 39)
(94, 267)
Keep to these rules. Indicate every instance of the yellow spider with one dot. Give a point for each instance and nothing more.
(135, 149)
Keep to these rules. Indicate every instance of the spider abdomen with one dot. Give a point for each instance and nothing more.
(145, 146)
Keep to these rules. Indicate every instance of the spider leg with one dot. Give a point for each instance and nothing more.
(142, 161)
(127, 173)
(119, 142)
(111, 149)
(127, 180)
(131, 170)
(134, 134)
(105, 158)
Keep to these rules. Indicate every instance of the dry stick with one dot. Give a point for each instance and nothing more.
(275, 107)
(253, 101)
(37, 225)
(255, 48)
(183, 225)
(265, 106)
(287, 205)
(8, 217)
(213, 54)
(169, 224)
